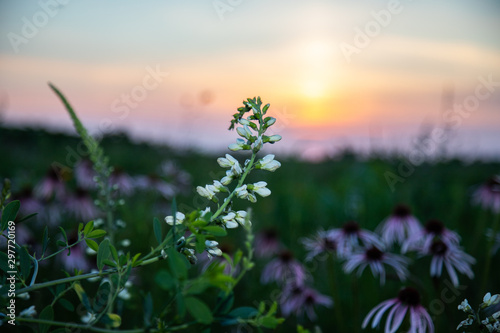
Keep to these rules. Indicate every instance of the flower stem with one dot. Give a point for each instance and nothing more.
(335, 294)
(489, 253)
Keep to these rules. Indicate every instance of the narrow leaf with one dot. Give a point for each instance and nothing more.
(10, 212)
(157, 230)
(102, 253)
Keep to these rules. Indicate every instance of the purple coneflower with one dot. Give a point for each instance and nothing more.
(408, 299)
(298, 299)
(81, 205)
(284, 268)
(29, 204)
(205, 261)
(318, 244)
(84, 174)
(488, 195)
(434, 229)
(153, 182)
(77, 258)
(396, 228)
(123, 182)
(350, 237)
(267, 243)
(452, 257)
(376, 259)
(50, 185)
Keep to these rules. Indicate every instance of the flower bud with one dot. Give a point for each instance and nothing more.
(179, 218)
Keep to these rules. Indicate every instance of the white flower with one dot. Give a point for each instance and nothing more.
(205, 211)
(212, 249)
(24, 296)
(241, 216)
(465, 306)
(179, 218)
(227, 162)
(274, 138)
(252, 198)
(208, 191)
(268, 163)
(239, 145)
(229, 221)
(257, 144)
(244, 132)
(228, 178)
(88, 318)
(28, 312)
(244, 121)
(270, 122)
(261, 189)
(90, 252)
(124, 294)
(241, 192)
(125, 242)
(489, 300)
(219, 187)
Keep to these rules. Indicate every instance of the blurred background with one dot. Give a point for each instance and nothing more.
(368, 75)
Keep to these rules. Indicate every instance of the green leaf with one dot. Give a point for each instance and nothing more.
(226, 302)
(164, 280)
(88, 228)
(109, 263)
(61, 243)
(9, 213)
(45, 240)
(271, 322)
(46, 314)
(200, 243)
(26, 217)
(148, 309)
(96, 233)
(92, 244)
(63, 232)
(196, 286)
(102, 253)
(111, 319)
(157, 230)
(178, 263)
(199, 310)
(101, 299)
(181, 305)
(114, 253)
(66, 304)
(25, 260)
(244, 312)
(82, 295)
(215, 230)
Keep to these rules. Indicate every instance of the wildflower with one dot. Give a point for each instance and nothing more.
(229, 221)
(241, 217)
(488, 195)
(244, 132)
(179, 218)
(397, 227)
(88, 318)
(76, 258)
(273, 138)
(322, 242)
(208, 191)
(452, 257)
(268, 163)
(351, 236)
(212, 249)
(267, 243)
(81, 205)
(232, 163)
(260, 188)
(408, 300)
(434, 229)
(299, 299)
(84, 174)
(375, 258)
(205, 262)
(28, 312)
(239, 145)
(50, 185)
(284, 268)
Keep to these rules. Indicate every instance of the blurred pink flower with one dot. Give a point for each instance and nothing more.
(51, 185)
(350, 237)
(299, 299)
(267, 243)
(488, 195)
(284, 268)
(399, 226)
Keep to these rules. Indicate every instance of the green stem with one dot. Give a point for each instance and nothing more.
(335, 294)
(489, 253)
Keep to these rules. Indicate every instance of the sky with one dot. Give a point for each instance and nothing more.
(369, 75)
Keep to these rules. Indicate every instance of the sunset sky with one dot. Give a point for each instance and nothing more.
(364, 74)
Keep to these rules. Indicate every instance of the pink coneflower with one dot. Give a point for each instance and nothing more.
(29, 204)
(84, 174)
(318, 244)
(350, 237)
(376, 259)
(434, 229)
(77, 258)
(155, 183)
(452, 257)
(284, 268)
(81, 205)
(408, 300)
(205, 261)
(488, 195)
(123, 182)
(396, 228)
(267, 243)
(50, 185)
(299, 299)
